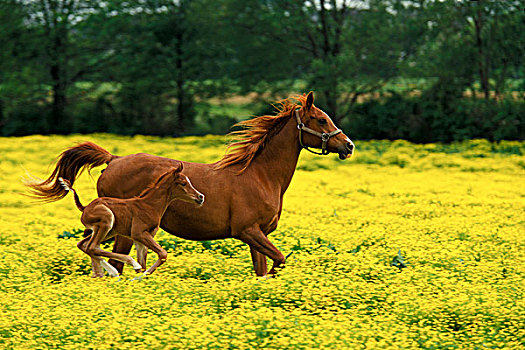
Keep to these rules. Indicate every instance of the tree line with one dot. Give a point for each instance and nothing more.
(416, 69)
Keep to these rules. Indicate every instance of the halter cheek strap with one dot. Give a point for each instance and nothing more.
(324, 136)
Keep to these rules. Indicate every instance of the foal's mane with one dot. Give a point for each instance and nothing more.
(256, 133)
(155, 183)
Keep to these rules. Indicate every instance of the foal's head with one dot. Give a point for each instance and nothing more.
(315, 119)
(180, 186)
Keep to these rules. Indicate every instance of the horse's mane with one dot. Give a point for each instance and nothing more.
(256, 133)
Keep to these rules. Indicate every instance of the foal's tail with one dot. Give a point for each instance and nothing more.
(69, 165)
(67, 186)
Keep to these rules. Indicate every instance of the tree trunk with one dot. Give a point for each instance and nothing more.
(482, 64)
(180, 93)
(2, 121)
(57, 33)
(330, 95)
(181, 113)
(500, 83)
(59, 100)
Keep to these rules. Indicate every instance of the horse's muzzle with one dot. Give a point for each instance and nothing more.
(347, 151)
(200, 199)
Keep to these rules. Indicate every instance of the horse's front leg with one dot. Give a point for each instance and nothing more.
(259, 262)
(256, 239)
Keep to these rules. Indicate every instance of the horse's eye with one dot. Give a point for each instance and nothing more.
(183, 184)
(322, 121)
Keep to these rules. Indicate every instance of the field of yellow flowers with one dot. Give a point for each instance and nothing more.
(404, 246)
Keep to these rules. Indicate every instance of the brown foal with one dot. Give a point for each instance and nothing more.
(136, 218)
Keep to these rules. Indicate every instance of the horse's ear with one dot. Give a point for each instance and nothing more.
(309, 100)
(179, 168)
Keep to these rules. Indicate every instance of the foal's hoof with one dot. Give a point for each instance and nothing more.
(97, 275)
(265, 277)
(139, 277)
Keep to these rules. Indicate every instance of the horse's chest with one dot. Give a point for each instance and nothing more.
(270, 225)
(269, 213)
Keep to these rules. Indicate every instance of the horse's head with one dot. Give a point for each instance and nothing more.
(182, 189)
(317, 130)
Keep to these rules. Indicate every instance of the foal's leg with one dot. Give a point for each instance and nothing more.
(256, 239)
(142, 250)
(122, 245)
(97, 269)
(99, 234)
(146, 238)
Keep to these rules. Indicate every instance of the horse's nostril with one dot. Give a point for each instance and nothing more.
(350, 146)
(201, 197)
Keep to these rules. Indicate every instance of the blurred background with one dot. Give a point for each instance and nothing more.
(420, 70)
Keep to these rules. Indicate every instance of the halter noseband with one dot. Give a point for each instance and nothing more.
(324, 136)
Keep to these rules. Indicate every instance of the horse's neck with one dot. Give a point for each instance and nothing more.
(279, 157)
(157, 198)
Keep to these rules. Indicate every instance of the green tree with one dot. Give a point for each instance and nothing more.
(342, 49)
(465, 42)
(52, 53)
(169, 53)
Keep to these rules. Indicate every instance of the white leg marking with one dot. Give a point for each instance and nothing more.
(96, 267)
(141, 250)
(135, 264)
(110, 269)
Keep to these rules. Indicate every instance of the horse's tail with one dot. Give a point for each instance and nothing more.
(69, 165)
(67, 186)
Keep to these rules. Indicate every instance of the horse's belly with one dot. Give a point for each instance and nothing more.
(198, 224)
(193, 235)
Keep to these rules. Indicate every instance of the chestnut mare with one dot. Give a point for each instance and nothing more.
(244, 190)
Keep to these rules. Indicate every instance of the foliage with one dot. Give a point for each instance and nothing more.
(159, 67)
(452, 213)
(431, 118)
(329, 50)
(77, 233)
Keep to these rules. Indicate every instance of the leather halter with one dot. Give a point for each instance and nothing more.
(324, 136)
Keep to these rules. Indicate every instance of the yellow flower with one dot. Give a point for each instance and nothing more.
(452, 213)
